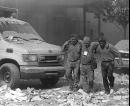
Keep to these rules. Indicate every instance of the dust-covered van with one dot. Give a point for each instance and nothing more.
(25, 55)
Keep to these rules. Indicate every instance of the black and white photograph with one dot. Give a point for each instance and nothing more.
(64, 52)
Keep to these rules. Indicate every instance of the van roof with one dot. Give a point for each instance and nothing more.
(11, 20)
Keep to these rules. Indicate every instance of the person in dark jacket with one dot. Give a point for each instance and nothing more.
(72, 50)
(86, 68)
(107, 54)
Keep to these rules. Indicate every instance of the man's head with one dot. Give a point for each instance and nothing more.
(86, 41)
(74, 39)
(102, 41)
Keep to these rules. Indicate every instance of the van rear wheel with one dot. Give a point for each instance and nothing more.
(9, 75)
(49, 82)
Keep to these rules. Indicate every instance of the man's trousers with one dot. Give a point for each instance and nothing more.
(107, 68)
(86, 77)
(72, 72)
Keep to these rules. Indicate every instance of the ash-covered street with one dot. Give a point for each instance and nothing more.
(30, 93)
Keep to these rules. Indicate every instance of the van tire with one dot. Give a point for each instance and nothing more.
(49, 82)
(9, 75)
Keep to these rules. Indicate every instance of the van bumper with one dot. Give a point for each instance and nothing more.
(32, 72)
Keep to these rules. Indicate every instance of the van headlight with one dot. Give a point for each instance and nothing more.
(30, 57)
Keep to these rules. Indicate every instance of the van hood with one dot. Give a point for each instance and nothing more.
(40, 48)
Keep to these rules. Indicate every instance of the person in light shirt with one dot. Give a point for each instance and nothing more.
(86, 67)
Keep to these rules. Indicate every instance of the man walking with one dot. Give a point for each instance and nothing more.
(86, 68)
(72, 49)
(107, 54)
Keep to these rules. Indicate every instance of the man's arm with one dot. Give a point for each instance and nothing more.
(94, 50)
(94, 46)
(65, 46)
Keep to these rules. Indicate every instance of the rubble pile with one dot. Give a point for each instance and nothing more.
(63, 97)
(60, 97)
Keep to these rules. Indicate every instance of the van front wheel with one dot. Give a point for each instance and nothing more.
(9, 75)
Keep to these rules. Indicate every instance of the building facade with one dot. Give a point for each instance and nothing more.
(55, 20)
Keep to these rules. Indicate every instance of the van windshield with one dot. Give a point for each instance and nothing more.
(23, 30)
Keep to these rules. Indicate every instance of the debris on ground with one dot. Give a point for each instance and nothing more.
(62, 97)
(122, 79)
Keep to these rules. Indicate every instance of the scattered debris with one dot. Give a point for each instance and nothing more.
(61, 97)
(122, 79)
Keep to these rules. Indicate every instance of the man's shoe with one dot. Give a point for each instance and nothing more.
(111, 91)
(87, 91)
(76, 88)
(71, 88)
(107, 92)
